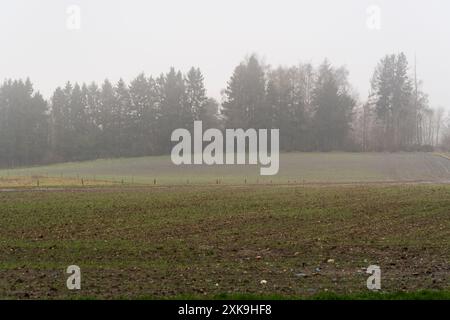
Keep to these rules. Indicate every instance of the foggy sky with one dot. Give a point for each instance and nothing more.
(122, 38)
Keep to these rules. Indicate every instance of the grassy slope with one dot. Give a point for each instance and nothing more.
(211, 241)
(294, 168)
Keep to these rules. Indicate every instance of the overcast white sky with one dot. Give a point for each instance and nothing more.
(121, 38)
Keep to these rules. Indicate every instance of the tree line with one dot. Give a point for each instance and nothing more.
(315, 108)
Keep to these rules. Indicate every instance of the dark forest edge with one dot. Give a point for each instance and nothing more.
(315, 108)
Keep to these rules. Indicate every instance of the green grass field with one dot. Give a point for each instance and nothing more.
(295, 168)
(144, 228)
(222, 241)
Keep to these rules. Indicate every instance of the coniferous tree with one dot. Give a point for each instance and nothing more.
(245, 97)
(286, 100)
(78, 133)
(392, 97)
(174, 112)
(105, 116)
(196, 93)
(23, 124)
(94, 120)
(120, 115)
(333, 108)
(58, 124)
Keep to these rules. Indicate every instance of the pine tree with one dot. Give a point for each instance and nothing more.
(105, 118)
(142, 115)
(23, 124)
(78, 120)
(286, 98)
(196, 94)
(120, 115)
(93, 112)
(393, 99)
(245, 97)
(174, 112)
(333, 108)
(58, 125)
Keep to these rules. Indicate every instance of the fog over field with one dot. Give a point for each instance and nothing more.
(295, 169)
(123, 38)
(232, 150)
